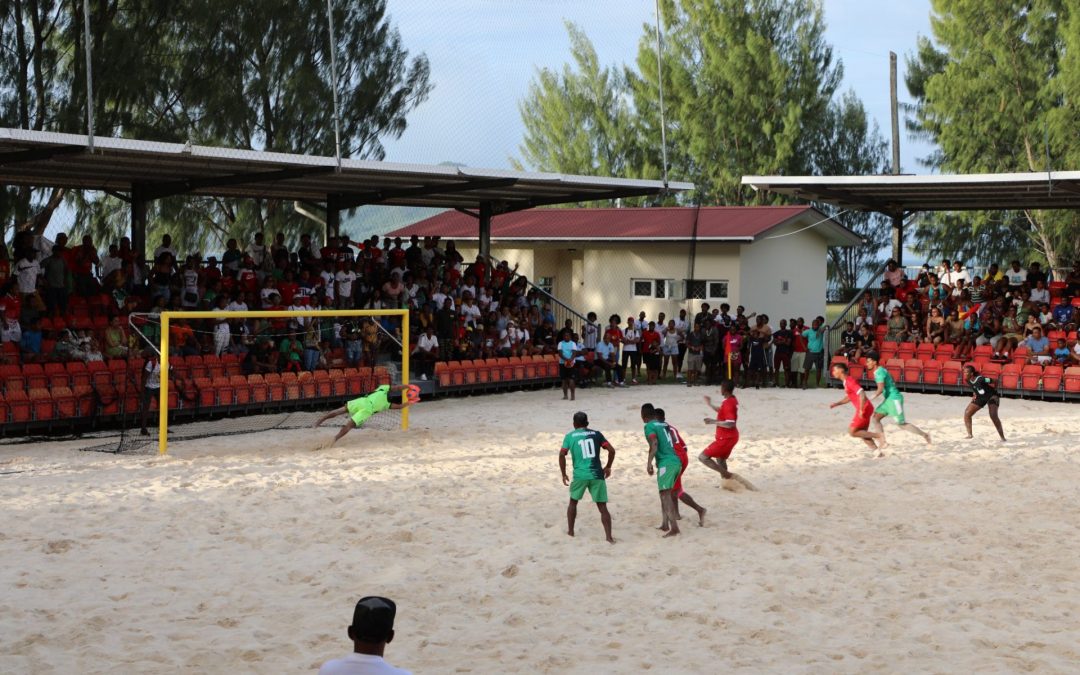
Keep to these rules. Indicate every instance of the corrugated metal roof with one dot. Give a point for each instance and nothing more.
(901, 194)
(46, 159)
(714, 223)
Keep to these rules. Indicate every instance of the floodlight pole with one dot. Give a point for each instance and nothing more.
(333, 82)
(660, 82)
(898, 219)
(89, 78)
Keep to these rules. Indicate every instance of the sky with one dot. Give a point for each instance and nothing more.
(484, 53)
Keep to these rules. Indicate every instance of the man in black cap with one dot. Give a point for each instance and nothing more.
(371, 630)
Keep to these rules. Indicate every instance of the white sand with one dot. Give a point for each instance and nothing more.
(245, 554)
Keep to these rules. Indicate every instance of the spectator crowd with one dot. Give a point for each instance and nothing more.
(64, 302)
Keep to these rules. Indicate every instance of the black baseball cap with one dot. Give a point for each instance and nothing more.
(373, 619)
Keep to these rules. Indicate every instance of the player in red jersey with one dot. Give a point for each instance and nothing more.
(727, 434)
(681, 495)
(864, 409)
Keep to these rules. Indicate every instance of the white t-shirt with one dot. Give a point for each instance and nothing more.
(630, 334)
(427, 344)
(887, 307)
(164, 249)
(328, 282)
(257, 253)
(360, 664)
(109, 264)
(471, 314)
(236, 306)
(27, 272)
(1041, 296)
(153, 369)
(681, 327)
(345, 279)
(1016, 278)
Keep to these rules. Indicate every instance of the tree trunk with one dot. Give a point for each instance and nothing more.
(40, 221)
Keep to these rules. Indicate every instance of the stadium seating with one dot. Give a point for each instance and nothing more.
(1010, 376)
(1072, 380)
(1031, 377)
(913, 370)
(1051, 381)
(951, 372)
(932, 374)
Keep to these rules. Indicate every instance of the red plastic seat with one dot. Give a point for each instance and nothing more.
(931, 374)
(64, 399)
(1030, 377)
(241, 389)
(275, 387)
(1010, 376)
(214, 366)
(207, 392)
(991, 370)
(79, 373)
(382, 376)
(35, 376)
(912, 371)
(84, 400)
(1072, 380)
(495, 373)
(442, 373)
(12, 378)
(307, 385)
(19, 406)
(457, 374)
(260, 393)
(232, 364)
(951, 373)
(906, 351)
(42, 404)
(895, 368)
(224, 390)
(518, 368)
(1051, 379)
(925, 351)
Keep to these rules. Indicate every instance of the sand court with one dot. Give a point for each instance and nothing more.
(246, 553)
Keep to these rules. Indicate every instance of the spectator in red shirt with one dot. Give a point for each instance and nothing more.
(798, 348)
(82, 261)
(650, 351)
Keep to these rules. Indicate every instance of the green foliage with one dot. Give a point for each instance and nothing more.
(749, 88)
(994, 90)
(242, 73)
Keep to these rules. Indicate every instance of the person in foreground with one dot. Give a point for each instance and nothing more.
(584, 446)
(893, 403)
(361, 409)
(680, 495)
(727, 434)
(984, 394)
(668, 466)
(371, 630)
(864, 410)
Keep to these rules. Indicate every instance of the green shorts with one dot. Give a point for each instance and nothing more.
(597, 488)
(894, 408)
(359, 411)
(667, 474)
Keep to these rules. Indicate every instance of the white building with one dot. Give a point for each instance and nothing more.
(772, 259)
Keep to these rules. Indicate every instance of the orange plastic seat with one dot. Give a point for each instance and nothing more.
(42, 404)
(1030, 377)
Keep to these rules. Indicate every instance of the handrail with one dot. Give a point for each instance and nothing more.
(555, 301)
(845, 314)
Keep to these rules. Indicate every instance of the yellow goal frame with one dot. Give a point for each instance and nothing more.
(166, 317)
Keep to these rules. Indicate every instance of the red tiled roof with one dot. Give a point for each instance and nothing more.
(741, 223)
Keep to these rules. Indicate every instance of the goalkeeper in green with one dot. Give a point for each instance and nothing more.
(361, 409)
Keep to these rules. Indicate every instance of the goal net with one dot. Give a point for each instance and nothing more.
(220, 373)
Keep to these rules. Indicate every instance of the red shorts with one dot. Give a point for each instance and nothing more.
(677, 488)
(861, 421)
(721, 448)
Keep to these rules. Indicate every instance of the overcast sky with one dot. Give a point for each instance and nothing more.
(484, 53)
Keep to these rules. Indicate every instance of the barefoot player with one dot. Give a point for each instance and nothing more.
(679, 445)
(864, 410)
(893, 403)
(727, 434)
(984, 394)
(584, 445)
(668, 465)
(361, 409)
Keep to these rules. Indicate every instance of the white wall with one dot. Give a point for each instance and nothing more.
(800, 259)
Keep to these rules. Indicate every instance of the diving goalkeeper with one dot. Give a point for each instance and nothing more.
(361, 409)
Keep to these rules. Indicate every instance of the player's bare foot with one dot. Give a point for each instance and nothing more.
(664, 527)
(611, 540)
(969, 437)
(672, 533)
(570, 533)
(926, 437)
(701, 517)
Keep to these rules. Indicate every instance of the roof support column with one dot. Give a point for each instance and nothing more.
(333, 217)
(485, 238)
(898, 239)
(138, 219)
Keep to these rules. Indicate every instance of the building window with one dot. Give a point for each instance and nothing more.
(651, 288)
(546, 284)
(706, 289)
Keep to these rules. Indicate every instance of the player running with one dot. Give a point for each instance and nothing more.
(668, 466)
(727, 434)
(893, 403)
(680, 495)
(984, 394)
(361, 409)
(864, 410)
(584, 445)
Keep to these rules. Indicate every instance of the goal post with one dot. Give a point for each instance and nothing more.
(168, 316)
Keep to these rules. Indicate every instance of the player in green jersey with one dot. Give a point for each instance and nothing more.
(360, 409)
(584, 446)
(893, 403)
(668, 466)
